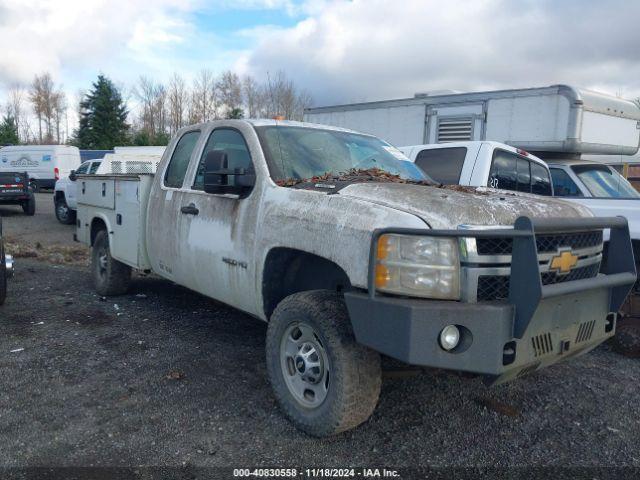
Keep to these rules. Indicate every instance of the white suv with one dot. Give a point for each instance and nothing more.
(65, 195)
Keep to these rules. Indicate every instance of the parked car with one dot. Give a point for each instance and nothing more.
(6, 268)
(65, 200)
(606, 192)
(347, 266)
(45, 164)
(482, 164)
(16, 190)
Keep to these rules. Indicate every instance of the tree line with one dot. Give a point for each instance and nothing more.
(39, 113)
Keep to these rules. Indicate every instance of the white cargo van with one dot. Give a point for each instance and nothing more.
(44, 163)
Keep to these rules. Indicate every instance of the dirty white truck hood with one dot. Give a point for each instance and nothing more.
(443, 208)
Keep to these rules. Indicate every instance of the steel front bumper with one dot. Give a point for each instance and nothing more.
(538, 326)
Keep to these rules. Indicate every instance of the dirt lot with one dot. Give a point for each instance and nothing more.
(163, 376)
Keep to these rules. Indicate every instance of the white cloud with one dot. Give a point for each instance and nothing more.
(50, 35)
(375, 49)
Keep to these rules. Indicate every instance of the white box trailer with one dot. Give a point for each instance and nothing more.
(555, 119)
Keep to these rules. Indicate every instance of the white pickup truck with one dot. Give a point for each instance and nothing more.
(349, 252)
(482, 164)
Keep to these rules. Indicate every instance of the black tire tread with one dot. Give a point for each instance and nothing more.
(29, 207)
(360, 382)
(118, 274)
(626, 341)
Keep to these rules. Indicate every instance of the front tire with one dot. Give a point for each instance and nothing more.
(64, 214)
(110, 277)
(324, 381)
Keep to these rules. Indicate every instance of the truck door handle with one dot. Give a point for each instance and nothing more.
(190, 209)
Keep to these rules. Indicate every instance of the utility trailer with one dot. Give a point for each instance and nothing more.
(559, 119)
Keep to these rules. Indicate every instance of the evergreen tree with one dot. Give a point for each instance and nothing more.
(9, 131)
(103, 117)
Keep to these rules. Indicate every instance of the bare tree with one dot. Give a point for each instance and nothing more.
(253, 97)
(16, 109)
(178, 98)
(45, 98)
(59, 110)
(204, 97)
(230, 92)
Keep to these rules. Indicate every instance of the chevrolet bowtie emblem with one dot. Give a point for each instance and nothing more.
(563, 262)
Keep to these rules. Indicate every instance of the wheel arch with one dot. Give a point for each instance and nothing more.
(97, 223)
(288, 270)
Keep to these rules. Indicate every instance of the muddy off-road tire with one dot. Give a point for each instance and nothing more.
(324, 381)
(626, 341)
(29, 206)
(110, 277)
(64, 214)
(3, 274)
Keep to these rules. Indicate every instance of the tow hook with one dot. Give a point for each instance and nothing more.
(8, 263)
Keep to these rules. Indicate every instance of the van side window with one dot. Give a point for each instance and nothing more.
(540, 181)
(94, 167)
(563, 186)
(180, 159)
(230, 141)
(444, 165)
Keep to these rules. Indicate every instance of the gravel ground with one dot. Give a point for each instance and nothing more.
(163, 376)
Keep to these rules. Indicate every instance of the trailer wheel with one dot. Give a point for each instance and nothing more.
(627, 338)
(110, 277)
(64, 214)
(324, 381)
(29, 206)
(3, 274)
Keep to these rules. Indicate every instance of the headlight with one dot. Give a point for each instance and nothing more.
(418, 266)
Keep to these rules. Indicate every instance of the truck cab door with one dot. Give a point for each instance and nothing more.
(217, 231)
(164, 215)
(71, 188)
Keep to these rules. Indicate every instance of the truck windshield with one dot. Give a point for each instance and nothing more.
(303, 152)
(604, 182)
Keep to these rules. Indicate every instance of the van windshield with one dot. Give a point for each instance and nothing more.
(604, 182)
(301, 153)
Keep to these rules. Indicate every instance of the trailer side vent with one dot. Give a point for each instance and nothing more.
(542, 344)
(585, 331)
(455, 129)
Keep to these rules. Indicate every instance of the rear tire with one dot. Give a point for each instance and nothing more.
(324, 381)
(34, 186)
(3, 274)
(110, 277)
(29, 206)
(64, 214)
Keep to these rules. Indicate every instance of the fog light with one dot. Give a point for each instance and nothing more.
(449, 337)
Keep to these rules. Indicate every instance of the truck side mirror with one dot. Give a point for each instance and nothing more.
(72, 176)
(218, 175)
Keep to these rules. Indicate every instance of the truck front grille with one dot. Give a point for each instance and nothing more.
(496, 287)
(545, 243)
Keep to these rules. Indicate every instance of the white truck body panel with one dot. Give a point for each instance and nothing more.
(143, 150)
(559, 118)
(121, 203)
(40, 161)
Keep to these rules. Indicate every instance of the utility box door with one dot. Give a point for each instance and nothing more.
(455, 123)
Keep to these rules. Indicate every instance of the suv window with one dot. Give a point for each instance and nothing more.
(513, 172)
(83, 168)
(444, 165)
(540, 181)
(174, 177)
(232, 143)
(94, 167)
(563, 186)
(504, 171)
